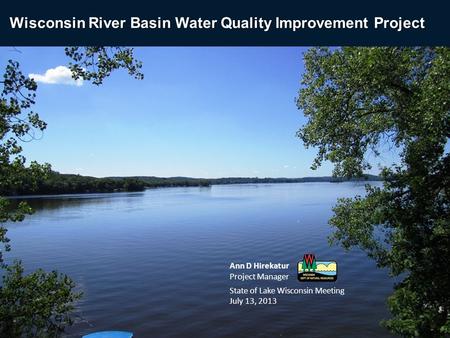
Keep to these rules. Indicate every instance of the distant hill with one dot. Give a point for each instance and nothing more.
(58, 183)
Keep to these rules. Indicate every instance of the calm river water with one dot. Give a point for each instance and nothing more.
(157, 263)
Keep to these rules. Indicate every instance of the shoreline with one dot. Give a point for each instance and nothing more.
(93, 194)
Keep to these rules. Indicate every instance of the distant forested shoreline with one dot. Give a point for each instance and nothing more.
(56, 183)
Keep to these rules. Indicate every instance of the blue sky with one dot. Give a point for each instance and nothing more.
(200, 112)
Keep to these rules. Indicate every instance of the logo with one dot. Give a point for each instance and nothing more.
(311, 270)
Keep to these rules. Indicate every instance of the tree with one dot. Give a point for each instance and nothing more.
(358, 100)
(38, 304)
(314, 265)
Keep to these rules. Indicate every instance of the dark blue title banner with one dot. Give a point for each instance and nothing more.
(225, 24)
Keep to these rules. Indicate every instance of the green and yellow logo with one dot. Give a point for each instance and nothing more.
(312, 270)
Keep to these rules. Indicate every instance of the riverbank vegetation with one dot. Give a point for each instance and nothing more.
(54, 183)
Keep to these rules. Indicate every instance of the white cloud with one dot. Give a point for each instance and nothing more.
(57, 75)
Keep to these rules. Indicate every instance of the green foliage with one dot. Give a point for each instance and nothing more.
(96, 63)
(35, 305)
(56, 183)
(8, 214)
(357, 100)
(18, 123)
(38, 304)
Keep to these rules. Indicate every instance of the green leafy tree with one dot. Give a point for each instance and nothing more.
(96, 63)
(303, 265)
(357, 101)
(38, 304)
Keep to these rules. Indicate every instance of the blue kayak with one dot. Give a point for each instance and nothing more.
(109, 334)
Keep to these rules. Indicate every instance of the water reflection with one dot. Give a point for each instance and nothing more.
(156, 263)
